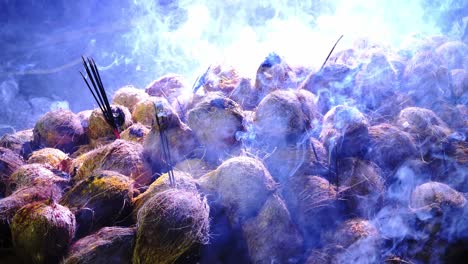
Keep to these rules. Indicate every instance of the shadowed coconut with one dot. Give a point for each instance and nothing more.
(102, 199)
(9, 162)
(99, 128)
(460, 84)
(244, 94)
(129, 96)
(19, 142)
(122, 156)
(108, 245)
(216, 120)
(195, 167)
(169, 224)
(48, 156)
(271, 235)
(42, 232)
(59, 129)
(136, 133)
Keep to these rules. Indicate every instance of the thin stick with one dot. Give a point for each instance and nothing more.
(165, 148)
(331, 51)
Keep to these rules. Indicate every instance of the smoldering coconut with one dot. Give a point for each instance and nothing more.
(99, 128)
(42, 232)
(216, 120)
(100, 200)
(108, 245)
(59, 129)
(9, 162)
(48, 156)
(452, 54)
(136, 133)
(169, 224)
(169, 86)
(243, 185)
(195, 167)
(129, 96)
(272, 236)
(345, 132)
(272, 74)
(221, 78)
(244, 94)
(122, 156)
(19, 142)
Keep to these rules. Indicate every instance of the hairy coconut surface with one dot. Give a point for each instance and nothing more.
(136, 133)
(42, 232)
(435, 196)
(244, 94)
(243, 185)
(272, 74)
(221, 78)
(145, 112)
(452, 54)
(59, 129)
(271, 235)
(195, 167)
(121, 156)
(169, 224)
(169, 86)
(108, 245)
(129, 96)
(102, 199)
(19, 142)
(9, 162)
(99, 128)
(84, 116)
(215, 121)
(459, 84)
(48, 156)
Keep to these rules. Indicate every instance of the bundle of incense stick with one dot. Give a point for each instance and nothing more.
(99, 93)
(160, 114)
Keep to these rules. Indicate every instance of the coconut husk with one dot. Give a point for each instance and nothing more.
(244, 94)
(9, 162)
(215, 121)
(99, 128)
(459, 84)
(108, 245)
(452, 115)
(42, 232)
(122, 156)
(169, 86)
(19, 142)
(337, 78)
(451, 167)
(452, 54)
(345, 132)
(195, 167)
(48, 156)
(129, 96)
(103, 199)
(221, 78)
(135, 133)
(284, 245)
(243, 185)
(145, 112)
(360, 186)
(389, 146)
(318, 257)
(273, 74)
(59, 129)
(169, 224)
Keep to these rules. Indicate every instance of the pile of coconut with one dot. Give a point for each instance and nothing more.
(362, 161)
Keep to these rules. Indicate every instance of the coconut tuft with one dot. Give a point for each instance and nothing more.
(169, 224)
(100, 129)
(129, 96)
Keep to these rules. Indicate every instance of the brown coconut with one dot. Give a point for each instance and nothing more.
(453, 116)
(145, 111)
(345, 132)
(99, 128)
(283, 245)
(102, 199)
(59, 129)
(244, 94)
(459, 83)
(221, 78)
(122, 156)
(272, 74)
(48, 156)
(335, 78)
(452, 54)
(9, 162)
(169, 86)
(215, 121)
(19, 142)
(136, 133)
(243, 185)
(169, 224)
(108, 245)
(129, 96)
(84, 119)
(389, 146)
(42, 232)
(195, 167)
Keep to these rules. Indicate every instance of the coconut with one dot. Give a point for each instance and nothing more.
(273, 74)
(284, 245)
(221, 78)
(145, 111)
(244, 94)
(452, 54)
(122, 156)
(345, 132)
(19, 142)
(215, 121)
(360, 186)
(169, 86)
(195, 167)
(337, 78)
(460, 84)
(42, 232)
(389, 146)
(99, 128)
(48, 156)
(318, 257)
(103, 199)
(9, 162)
(129, 96)
(59, 129)
(108, 245)
(243, 185)
(453, 116)
(169, 224)
(136, 133)
(84, 119)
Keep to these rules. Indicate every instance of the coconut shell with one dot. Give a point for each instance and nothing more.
(19, 142)
(122, 156)
(283, 245)
(42, 232)
(59, 129)
(169, 224)
(215, 121)
(136, 133)
(108, 245)
(129, 96)
(169, 86)
(102, 199)
(99, 128)
(9, 162)
(48, 156)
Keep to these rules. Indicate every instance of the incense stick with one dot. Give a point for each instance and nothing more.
(164, 144)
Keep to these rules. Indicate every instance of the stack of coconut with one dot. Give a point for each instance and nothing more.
(363, 161)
